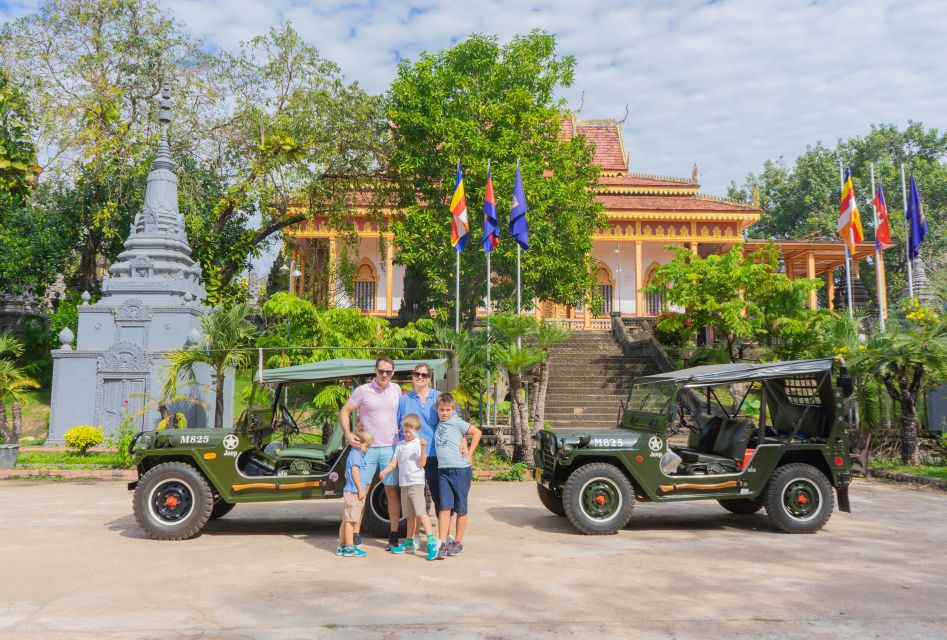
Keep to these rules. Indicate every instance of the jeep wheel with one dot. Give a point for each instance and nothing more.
(550, 500)
(221, 508)
(598, 499)
(799, 498)
(375, 517)
(742, 506)
(173, 501)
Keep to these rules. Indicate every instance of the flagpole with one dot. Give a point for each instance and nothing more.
(488, 320)
(457, 294)
(878, 256)
(907, 236)
(851, 240)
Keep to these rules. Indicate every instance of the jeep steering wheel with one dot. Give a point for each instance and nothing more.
(287, 424)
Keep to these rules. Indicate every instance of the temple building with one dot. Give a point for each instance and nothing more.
(645, 214)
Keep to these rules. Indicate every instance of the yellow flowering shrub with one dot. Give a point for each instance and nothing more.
(81, 438)
(924, 317)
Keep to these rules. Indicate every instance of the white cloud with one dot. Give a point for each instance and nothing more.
(725, 84)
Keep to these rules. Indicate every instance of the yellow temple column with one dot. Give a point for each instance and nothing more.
(537, 312)
(639, 297)
(389, 272)
(333, 255)
(301, 278)
(830, 287)
(694, 249)
(810, 273)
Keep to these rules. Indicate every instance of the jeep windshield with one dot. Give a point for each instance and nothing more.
(650, 399)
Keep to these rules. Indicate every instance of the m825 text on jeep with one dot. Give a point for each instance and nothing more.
(187, 477)
(750, 436)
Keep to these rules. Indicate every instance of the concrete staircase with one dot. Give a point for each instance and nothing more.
(589, 376)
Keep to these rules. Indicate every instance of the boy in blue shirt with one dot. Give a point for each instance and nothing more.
(454, 474)
(353, 496)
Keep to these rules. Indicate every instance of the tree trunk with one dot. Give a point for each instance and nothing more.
(7, 436)
(518, 419)
(910, 454)
(219, 402)
(17, 412)
(87, 276)
(539, 397)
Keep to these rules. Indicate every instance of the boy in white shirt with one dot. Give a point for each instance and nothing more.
(410, 458)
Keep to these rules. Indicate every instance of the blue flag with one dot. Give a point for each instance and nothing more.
(491, 227)
(916, 220)
(518, 228)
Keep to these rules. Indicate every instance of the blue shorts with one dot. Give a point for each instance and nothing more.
(378, 458)
(454, 485)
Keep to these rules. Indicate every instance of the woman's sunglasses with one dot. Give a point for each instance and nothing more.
(421, 374)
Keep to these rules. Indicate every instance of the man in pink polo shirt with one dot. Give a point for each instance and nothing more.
(377, 406)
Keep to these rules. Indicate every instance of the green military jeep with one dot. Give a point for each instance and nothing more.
(749, 436)
(187, 477)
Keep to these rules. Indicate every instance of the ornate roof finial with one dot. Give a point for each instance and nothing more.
(163, 159)
(694, 174)
(756, 197)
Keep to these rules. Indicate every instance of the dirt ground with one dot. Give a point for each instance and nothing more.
(74, 564)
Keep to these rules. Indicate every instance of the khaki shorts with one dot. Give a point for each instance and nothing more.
(353, 507)
(412, 501)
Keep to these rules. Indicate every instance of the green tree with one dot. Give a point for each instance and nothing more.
(18, 168)
(801, 201)
(739, 296)
(93, 69)
(515, 354)
(226, 334)
(908, 358)
(547, 335)
(480, 101)
(13, 382)
(296, 140)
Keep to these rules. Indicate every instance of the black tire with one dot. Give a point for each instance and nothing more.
(742, 506)
(375, 517)
(598, 499)
(173, 501)
(799, 498)
(221, 508)
(550, 500)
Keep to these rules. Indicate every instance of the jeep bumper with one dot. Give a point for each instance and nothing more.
(845, 479)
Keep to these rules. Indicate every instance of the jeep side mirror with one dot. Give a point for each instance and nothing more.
(845, 382)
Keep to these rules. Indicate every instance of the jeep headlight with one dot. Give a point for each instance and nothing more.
(144, 442)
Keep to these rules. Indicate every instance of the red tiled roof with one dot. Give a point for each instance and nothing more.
(634, 202)
(605, 136)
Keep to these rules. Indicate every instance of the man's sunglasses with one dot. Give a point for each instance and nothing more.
(421, 374)
(385, 372)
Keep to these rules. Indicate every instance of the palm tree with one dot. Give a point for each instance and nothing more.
(547, 335)
(518, 360)
(226, 332)
(906, 359)
(13, 382)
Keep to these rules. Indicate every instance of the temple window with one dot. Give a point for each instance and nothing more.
(654, 301)
(606, 287)
(366, 281)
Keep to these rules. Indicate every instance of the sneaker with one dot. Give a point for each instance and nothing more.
(442, 551)
(392, 542)
(455, 549)
(398, 549)
(357, 540)
(409, 545)
(432, 550)
(451, 540)
(339, 550)
(354, 552)
(418, 541)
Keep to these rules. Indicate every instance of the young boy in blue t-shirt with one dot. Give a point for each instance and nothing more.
(353, 496)
(454, 474)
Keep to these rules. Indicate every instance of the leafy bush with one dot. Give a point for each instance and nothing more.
(122, 440)
(83, 437)
(516, 473)
(671, 330)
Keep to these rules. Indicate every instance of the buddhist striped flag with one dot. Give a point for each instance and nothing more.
(458, 210)
(883, 230)
(849, 221)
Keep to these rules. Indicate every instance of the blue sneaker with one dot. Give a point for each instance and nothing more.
(339, 550)
(442, 551)
(354, 552)
(455, 549)
(357, 540)
(432, 550)
(397, 549)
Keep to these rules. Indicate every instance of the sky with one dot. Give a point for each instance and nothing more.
(723, 84)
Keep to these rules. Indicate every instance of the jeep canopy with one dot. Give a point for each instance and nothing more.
(713, 374)
(344, 368)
